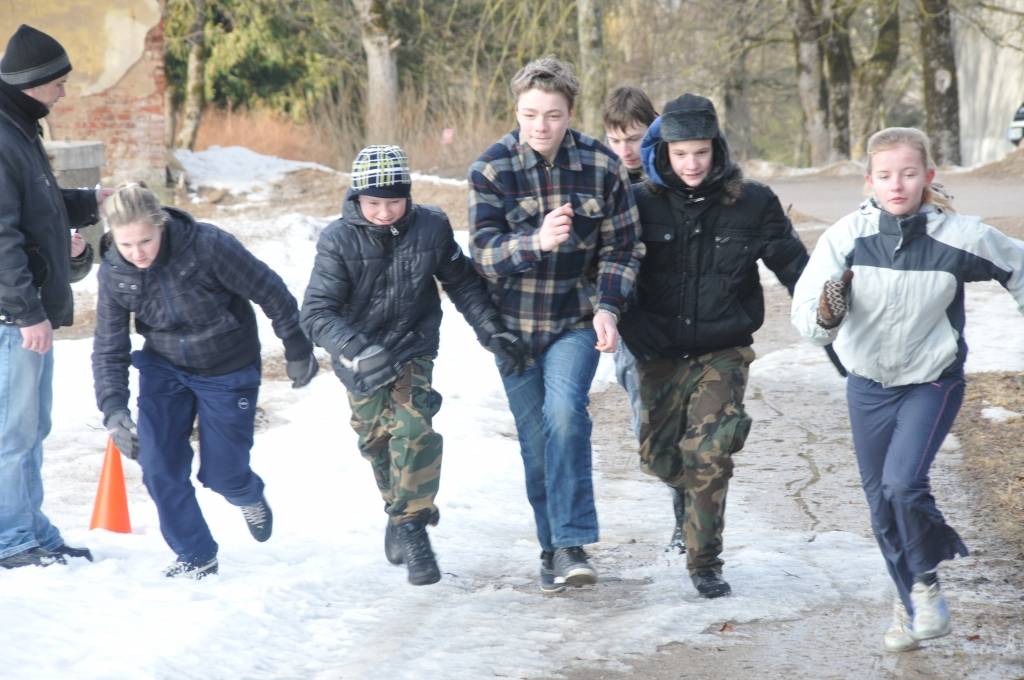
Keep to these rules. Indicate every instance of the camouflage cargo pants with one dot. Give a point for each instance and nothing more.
(691, 422)
(396, 436)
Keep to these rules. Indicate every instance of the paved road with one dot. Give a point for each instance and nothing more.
(829, 198)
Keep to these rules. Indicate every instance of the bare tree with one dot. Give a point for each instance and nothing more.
(839, 69)
(941, 90)
(872, 74)
(379, 43)
(591, 66)
(194, 86)
(807, 33)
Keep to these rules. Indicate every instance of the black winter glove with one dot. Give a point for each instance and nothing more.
(511, 350)
(122, 430)
(834, 301)
(301, 371)
(373, 368)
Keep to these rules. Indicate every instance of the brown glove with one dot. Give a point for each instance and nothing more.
(834, 301)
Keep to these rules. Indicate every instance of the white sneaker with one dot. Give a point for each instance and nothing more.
(899, 637)
(931, 615)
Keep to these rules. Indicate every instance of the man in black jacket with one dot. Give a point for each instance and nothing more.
(699, 301)
(39, 258)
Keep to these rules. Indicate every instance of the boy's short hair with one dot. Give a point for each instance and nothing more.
(550, 75)
(627, 105)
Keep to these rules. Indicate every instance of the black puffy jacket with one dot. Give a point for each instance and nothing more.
(374, 285)
(698, 289)
(36, 215)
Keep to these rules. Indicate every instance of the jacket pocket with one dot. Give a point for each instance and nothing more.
(522, 213)
(735, 250)
(588, 213)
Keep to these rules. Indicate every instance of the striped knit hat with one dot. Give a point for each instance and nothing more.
(32, 58)
(381, 170)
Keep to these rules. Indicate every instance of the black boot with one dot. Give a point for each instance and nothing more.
(69, 551)
(392, 548)
(417, 554)
(709, 583)
(679, 510)
(33, 557)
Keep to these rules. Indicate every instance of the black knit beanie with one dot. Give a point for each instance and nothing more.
(32, 58)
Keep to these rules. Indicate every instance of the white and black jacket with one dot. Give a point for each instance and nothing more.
(906, 318)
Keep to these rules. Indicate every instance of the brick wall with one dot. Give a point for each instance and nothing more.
(127, 117)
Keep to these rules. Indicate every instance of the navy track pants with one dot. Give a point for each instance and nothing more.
(896, 433)
(169, 401)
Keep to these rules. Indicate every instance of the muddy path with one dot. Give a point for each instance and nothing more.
(799, 465)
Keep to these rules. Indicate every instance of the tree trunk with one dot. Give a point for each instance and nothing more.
(839, 70)
(810, 81)
(872, 75)
(941, 91)
(381, 101)
(194, 85)
(736, 108)
(592, 67)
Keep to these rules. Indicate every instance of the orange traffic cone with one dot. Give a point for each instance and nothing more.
(111, 509)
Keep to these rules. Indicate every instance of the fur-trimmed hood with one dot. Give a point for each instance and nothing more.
(725, 181)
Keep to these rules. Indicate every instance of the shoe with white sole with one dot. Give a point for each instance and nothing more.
(899, 637)
(931, 614)
(572, 568)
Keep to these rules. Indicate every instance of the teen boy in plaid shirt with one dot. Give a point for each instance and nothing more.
(555, 232)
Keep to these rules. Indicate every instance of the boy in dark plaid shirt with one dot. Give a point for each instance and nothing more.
(555, 232)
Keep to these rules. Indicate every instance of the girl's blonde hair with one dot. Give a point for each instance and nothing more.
(131, 203)
(889, 138)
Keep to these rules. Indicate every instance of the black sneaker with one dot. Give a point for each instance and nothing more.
(547, 573)
(392, 548)
(193, 570)
(69, 551)
(259, 518)
(33, 557)
(417, 554)
(709, 583)
(572, 567)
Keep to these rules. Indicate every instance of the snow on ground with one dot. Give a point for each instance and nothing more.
(998, 414)
(237, 169)
(320, 601)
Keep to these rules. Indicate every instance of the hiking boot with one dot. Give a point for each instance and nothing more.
(417, 554)
(572, 568)
(709, 583)
(547, 573)
(392, 548)
(193, 570)
(33, 557)
(259, 518)
(676, 543)
(931, 615)
(69, 551)
(899, 637)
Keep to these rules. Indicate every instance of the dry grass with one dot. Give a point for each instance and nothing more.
(264, 132)
(993, 454)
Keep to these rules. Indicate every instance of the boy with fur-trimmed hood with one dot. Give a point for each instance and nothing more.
(373, 304)
(698, 302)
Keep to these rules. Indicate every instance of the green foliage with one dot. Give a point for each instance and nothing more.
(257, 55)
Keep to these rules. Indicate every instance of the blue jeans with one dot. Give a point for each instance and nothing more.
(169, 400)
(625, 373)
(549, 402)
(896, 433)
(26, 397)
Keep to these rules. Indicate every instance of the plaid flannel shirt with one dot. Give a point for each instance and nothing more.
(542, 294)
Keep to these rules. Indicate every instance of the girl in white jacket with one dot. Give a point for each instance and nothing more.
(885, 285)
